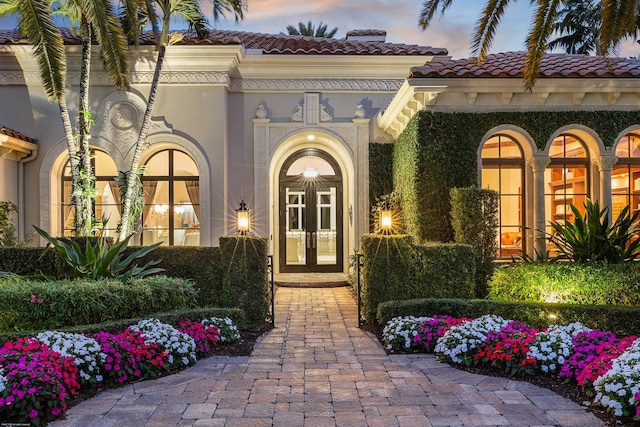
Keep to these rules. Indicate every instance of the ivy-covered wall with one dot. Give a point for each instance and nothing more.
(438, 151)
(380, 170)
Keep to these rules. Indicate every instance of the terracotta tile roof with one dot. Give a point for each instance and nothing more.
(272, 44)
(510, 64)
(15, 134)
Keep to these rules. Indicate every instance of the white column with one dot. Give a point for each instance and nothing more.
(538, 163)
(605, 165)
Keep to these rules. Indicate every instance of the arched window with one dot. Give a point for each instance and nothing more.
(503, 171)
(171, 212)
(625, 177)
(566, 179)
(107, 203)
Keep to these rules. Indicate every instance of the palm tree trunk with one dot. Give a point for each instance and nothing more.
(84, 217)
(73, 152)
(126, 220)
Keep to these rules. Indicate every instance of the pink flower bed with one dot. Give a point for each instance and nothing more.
(36, 382)
(606, 366)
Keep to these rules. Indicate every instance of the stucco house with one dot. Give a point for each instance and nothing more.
(284, 123)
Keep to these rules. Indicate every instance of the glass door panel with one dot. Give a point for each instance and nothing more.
(295, 231)
(326, 249)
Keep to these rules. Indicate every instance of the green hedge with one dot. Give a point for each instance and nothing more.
(245, 282)
(172, 317)
(394, 269)
(567, 282)
(36, 305)
(621, 320)
(201, 264)
(380, 171)
(437, 151)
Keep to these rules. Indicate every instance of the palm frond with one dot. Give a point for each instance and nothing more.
(429, 10)
(486, 27)
(36, 24)
(619, 21)
(221, 7)
(542, 28)
(110, 36)
(190, 12)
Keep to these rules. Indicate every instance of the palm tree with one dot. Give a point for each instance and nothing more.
(618, 21)
(35, 22)
(95, 17)
(310, 30)
(138, 13)
(578, 25)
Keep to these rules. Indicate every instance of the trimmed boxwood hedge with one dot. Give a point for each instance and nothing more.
(621, 320)
(171, 317)
(394, 268)
(567, 282)
(37, 305)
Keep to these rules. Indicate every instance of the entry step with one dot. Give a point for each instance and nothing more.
(311, 280)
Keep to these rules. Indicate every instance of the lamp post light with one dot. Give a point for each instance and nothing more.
(243, 216)
(386, 218)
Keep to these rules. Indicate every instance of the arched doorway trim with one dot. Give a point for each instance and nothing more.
(352, 196)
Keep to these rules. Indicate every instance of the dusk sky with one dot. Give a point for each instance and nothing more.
(398, 17)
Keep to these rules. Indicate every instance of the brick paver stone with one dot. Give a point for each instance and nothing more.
(317, 368)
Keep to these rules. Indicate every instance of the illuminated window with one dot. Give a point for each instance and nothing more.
(566, 179)
(503, 171)
(625, 177)
(107, 203)
(171, 212)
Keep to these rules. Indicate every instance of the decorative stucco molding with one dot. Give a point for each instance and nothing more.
(605, 163)
(119, 119)
(172, 77)
(183, 77)
(19, 78)
(539, 163)
(297, 85)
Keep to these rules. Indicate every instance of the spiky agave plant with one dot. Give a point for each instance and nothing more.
(590, 238)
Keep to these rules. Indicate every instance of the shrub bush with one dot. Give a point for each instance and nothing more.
(474, 217)
(201, 264)
(570, 283)
(620, 320)
(34, 305)
(245, 282)
(396, 269)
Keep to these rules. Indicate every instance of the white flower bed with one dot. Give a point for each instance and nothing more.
(550, 348)
(3, 381)
(618, 387)
(399, 332)
(180, 347)
(84, 350)
(228, 331)
(460, 342)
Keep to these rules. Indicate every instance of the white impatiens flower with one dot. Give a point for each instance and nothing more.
(551, 347)
(86, 352)
(460, 342)
(3, 381)
(618, 387)
(169, 339)
(399, 333)
(228, 331)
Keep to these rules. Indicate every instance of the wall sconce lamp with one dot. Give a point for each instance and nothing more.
(243, 218)
(386, 218)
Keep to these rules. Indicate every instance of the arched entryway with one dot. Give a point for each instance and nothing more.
(310, 211)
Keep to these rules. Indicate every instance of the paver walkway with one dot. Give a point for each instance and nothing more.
(317, 368)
